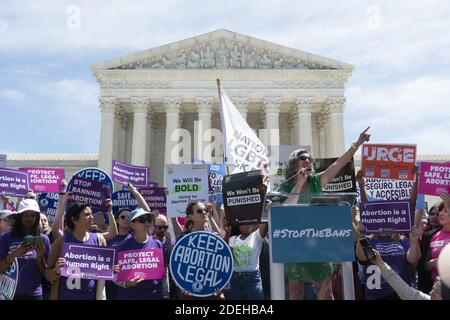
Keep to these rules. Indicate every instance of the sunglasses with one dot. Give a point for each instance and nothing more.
(162, 227)
(144, 219)
(303, 158)
(200, 211)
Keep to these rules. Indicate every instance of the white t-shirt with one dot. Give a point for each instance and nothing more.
(246, 252)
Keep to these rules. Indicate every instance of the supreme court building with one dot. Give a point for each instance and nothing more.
(146, 96)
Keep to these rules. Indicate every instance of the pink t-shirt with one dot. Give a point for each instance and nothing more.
(438, 242)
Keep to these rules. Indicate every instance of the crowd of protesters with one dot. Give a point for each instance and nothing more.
(406, 263)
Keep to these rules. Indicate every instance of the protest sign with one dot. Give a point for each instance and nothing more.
(44, 179)
(152, 184)
(48, 203)
(384, 189)
(3, 158)
(216, 172)
(97, 175)
(90, 191)
(201, 263)
(386, 216)
(123, 199)
(88, 262)
(14, 183)
(155, 198)
(434, 178)
(186, 183)
(388, 161)
(243, 195)
(344, 181)
(146, 263)
(318, 234)
(8, 281)
(278, 161)
(125, 173)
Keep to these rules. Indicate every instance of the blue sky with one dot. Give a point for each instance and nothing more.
(49, 98)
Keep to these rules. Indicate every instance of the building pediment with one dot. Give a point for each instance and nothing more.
(222, 49)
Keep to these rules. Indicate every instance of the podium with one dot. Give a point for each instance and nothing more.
(297, 232)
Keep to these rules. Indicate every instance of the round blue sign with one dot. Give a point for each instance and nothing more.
(97, 175)
(201, 263)
(8, 281)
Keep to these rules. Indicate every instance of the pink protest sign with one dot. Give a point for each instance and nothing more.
(147, 263)
(44, 179)
(434, 178)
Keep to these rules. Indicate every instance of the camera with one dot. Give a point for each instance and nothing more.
(367, 248)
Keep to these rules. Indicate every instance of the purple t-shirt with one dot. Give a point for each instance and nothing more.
(147, 289)
(394, 254)
(117, 240)
(87, 290)
(30, 278)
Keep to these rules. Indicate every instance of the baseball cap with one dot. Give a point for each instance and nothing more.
(133, 215)
(28, 205)
(5, 213)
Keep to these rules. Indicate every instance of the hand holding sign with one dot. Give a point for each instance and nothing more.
(60, 263)
(133, 282)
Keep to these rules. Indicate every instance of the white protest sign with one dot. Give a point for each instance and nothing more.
(185, 182)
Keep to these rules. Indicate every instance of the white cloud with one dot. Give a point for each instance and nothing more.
(12, 95)
(415, 112)
(73, 112)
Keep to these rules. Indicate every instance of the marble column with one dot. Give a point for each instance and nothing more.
(241, 104)
(320, 124)
(148, 148)
(122, 121)
(140, 109)
(293, 126)
(172, 107)
(107, 108)
(272, 120)
(203, 138)
(304, 122)
(336, 123)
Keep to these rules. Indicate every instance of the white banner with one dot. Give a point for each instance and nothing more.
(243, 150)
(185, 182)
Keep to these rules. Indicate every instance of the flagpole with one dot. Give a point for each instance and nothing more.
(224, 142)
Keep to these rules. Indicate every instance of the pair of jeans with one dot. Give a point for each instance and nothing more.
(246, 286)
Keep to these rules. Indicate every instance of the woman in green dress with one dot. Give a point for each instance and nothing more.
(300, 166)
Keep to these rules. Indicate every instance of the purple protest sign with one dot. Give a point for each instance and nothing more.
(152, 184)
(147, 263)
(386, 216)
(44, 179)
(88, 262)
(125, 173)
(89, 191)
(434, 178)
(14, 183)
(155, 198)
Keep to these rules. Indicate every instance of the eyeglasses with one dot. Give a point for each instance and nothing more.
(144, 219)
(303, 158)
(162, 227)
(200, 211)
